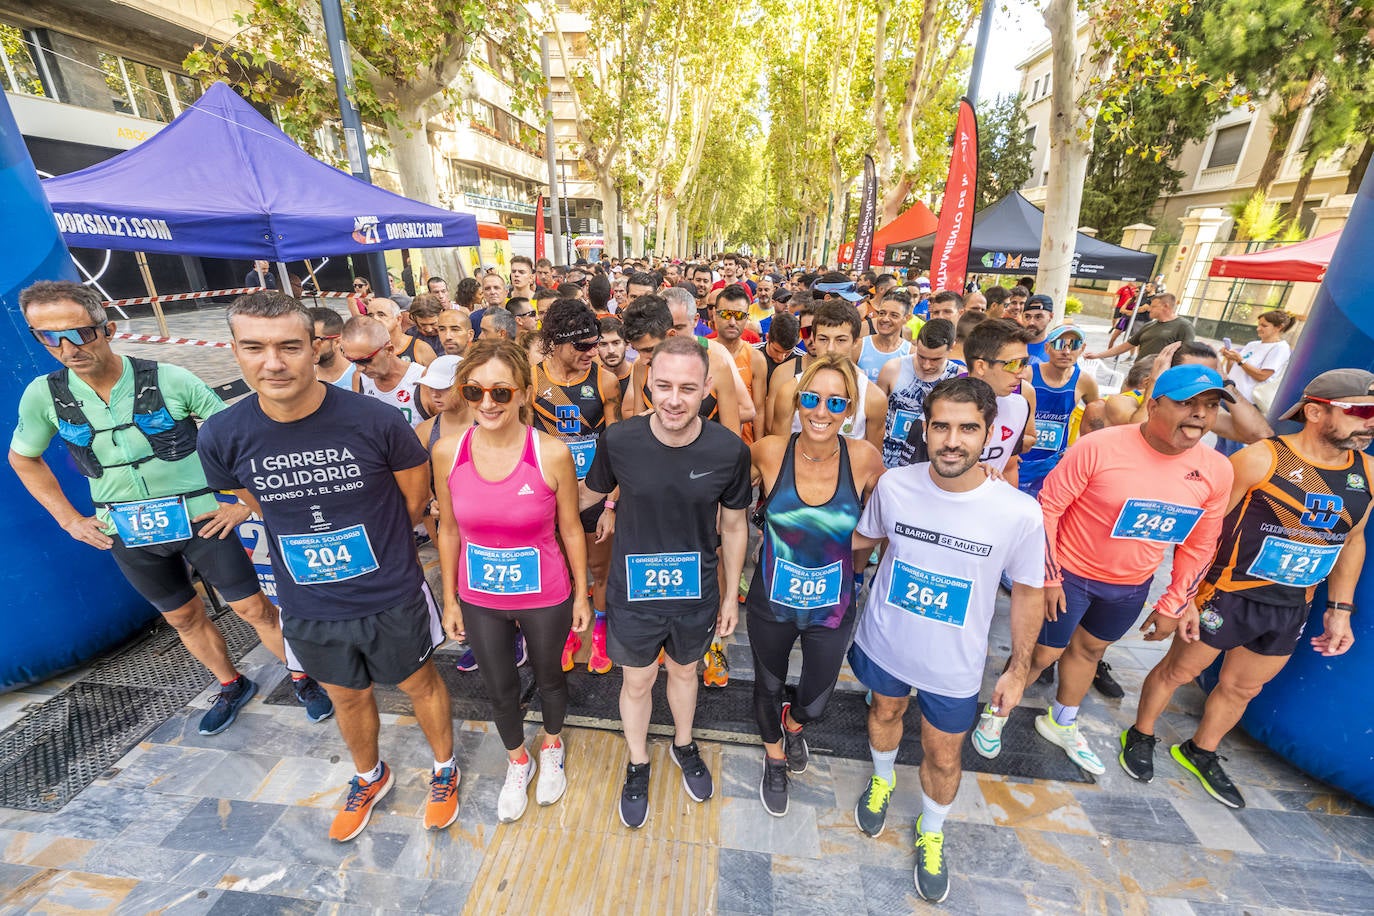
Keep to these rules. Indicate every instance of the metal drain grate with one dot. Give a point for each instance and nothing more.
(58, 749)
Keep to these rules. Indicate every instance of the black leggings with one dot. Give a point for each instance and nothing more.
(491, 634)
(823, 652)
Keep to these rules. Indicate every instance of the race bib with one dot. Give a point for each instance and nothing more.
(331, 556)
(804, 588)
(152, 521)
(943, 599)
(1288, 562)
(583, 451)
(1049, 434)
(660, 576)
(503, 571)
(902, 421)
(1154, 520)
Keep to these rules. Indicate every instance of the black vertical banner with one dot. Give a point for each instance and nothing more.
(868, 210)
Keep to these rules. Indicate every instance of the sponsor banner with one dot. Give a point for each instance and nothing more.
(868, 214)
(954, 233)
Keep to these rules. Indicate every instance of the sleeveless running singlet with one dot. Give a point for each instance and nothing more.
(903, 436)
(871, 359)
(575, 412)
(1286, 533)
(404, 397)
(346, 380)
(854, 426)
(1053, 411)
(509, 559)
(408, 353)
(1013, 411)
(805, 574)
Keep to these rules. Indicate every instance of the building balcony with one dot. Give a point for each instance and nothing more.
(1218, 177)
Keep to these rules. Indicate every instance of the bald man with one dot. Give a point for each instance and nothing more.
(381, 373)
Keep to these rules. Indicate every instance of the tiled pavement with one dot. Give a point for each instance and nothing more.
(236, 824)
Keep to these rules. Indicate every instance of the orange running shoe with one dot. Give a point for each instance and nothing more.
(357, 809)
(442, 807)
(599, 662)
(717, 671)
(570, 649)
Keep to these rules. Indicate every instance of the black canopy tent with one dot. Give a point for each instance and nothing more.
(1006, 240)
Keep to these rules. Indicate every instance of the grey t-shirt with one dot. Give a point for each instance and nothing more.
(1157, 335)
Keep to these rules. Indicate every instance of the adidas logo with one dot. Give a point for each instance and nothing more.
(1192, 475)
(525, 491)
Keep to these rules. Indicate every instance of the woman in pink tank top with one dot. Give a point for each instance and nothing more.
(507, 493)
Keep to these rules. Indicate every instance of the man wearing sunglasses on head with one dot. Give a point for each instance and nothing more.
(1060, 387)
(381, 375)
(130, 427)
(339, 480)
(996, 353)
(1296, 517)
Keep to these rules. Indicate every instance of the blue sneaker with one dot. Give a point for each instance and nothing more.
(311, 695)
(468, 661)
(227, 705)
(522, 652)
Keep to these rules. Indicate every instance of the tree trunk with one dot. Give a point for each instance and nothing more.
(882, 146)
(1295, 205)
(1278, 148)
(610, 211)
(1356, 176)
(415, 166)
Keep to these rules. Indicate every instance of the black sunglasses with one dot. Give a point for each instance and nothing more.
(585, 346)
(77, 336)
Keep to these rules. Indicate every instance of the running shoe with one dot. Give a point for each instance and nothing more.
(510, 804)
(717, 670)
(794, 745)
(311, 695)
(232, 698)
(442, 807)
(357, 809)
(570, 648)
(1137, 755)
(1206, 766)
(1072, 743)
(1105, 684)
(1047, 676)
(773, 786)
(552, 782)
(634, 797)
(522, 651)
(932, 880)
(871, 811)
(987, 737)
(467, 661)
(696, 779)
(599, 662)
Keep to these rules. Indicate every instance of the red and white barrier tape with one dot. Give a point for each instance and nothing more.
(189, 341)
(207, 294)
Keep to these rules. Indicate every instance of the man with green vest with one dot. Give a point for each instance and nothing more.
(129, 426)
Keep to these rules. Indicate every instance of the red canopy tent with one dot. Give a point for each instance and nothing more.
(914, 223)
(1301, 261)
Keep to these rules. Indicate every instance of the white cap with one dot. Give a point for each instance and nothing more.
(441, 373)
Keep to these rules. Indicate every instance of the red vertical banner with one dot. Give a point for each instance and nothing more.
(539, 228)
(954, 232)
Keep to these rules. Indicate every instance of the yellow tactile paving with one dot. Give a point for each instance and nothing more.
(576, 857)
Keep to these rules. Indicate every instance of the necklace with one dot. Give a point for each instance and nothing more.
(819, 460)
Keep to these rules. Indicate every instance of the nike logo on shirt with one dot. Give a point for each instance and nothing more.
(695, 476)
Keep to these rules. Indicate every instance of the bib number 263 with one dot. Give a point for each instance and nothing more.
(659, 576)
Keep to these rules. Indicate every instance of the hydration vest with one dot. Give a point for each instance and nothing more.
(170, 439)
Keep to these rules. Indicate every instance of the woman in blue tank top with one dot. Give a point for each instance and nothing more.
(815, 482)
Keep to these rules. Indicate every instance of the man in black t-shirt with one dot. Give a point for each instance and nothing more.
(339, 480)
(676, 476)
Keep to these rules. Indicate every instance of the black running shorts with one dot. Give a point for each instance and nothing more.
(1229, 620)
(633, 637)
(383, 648)
(158, 572)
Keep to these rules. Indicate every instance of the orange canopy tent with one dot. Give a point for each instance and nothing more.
(914, 223)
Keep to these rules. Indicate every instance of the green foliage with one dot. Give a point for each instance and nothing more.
(1259, 219)
(1004, 149)
(1072, 305)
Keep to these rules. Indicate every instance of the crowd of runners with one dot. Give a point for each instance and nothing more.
(588, 448)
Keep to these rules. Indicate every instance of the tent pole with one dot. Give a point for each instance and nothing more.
(283, 278)
(152, 291)
(310, 269)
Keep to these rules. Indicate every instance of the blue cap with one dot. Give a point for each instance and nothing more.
(1183, 382)
(1059, 331)
(844, 290)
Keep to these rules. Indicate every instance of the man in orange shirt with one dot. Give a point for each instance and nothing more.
(1115, 503)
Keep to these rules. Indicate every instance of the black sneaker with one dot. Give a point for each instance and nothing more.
(1105, 683)
(227, 705)
(1137, 755)
(1206, 766)
(794, 745)
(696, 779)
(773, 786)
(1046, 677)
(634, 798)
(871, 811)
(311, 695)
(932, 878)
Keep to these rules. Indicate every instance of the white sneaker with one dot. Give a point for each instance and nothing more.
(987, 737)
(515, 793)
(1073, 744)
(553, 782)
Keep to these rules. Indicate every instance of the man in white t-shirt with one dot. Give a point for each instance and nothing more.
(951, 532)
